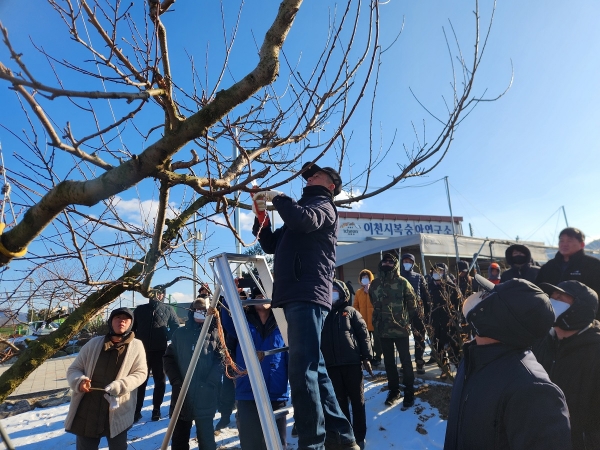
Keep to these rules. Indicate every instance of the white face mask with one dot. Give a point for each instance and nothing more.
(436, 276)
(200, 315)
(335, 296)
(407, 266)
(364, 281)
(559, 307)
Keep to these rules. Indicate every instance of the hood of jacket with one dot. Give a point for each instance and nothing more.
(395, 270)
(519, 247)
(368, 273)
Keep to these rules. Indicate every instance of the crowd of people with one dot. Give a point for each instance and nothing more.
(524, 342)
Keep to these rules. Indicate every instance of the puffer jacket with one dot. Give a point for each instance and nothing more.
(274, 367)
(526, 271)
(362, 302)
(573, 364)
(393, 302)
(502, 399)
(304, 247)
(344, 339)
(202, 397)
(153, 324)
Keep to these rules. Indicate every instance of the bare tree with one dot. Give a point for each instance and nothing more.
(277, 114)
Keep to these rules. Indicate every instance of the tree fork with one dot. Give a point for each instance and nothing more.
(43, 348)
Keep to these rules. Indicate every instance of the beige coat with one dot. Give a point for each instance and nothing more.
(133, 373)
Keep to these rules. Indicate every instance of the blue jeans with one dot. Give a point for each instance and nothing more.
(317, 414)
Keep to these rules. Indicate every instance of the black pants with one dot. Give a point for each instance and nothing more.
(419, 337)
(348, 385)
(119, 442)
(250, 430)
(204, 432)
(391, 369)
(375, 345)
(155, 362)
(227, 397)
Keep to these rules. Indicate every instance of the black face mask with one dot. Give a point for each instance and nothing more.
(386, 267)
(519, 259)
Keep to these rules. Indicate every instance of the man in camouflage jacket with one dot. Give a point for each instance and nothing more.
(394, 304)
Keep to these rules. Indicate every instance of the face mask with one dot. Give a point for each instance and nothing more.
(335, 296)
(364, 281)
(436, 276)
(387, 267)
(520, 259)
(200, 315)
(407, 266)
(559, 307)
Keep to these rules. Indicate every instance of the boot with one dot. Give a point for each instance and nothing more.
(420, 367)
(392, 397)
(409, 399)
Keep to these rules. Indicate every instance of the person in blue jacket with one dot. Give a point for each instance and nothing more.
(265, 336)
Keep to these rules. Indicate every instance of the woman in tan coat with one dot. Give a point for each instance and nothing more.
(104, 378)
(363, 305)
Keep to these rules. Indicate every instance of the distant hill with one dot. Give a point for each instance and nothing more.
(594, 245)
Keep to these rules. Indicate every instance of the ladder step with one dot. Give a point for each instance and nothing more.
(282, 412)
(235, 258)
(255, 301)
(275, 351)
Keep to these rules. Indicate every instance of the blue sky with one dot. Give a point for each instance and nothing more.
(513, 162)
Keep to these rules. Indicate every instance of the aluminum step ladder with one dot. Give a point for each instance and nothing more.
(225, 285)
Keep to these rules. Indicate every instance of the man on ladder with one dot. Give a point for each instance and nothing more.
(304, 265)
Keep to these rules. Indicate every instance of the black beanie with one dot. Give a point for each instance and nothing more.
(116, 312)
(515, 312)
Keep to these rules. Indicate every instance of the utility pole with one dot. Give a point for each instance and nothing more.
(452, 219)
(565, 214)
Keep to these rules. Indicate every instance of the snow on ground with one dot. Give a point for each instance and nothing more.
(387, 427)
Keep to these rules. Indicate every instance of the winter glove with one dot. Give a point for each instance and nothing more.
(113, 389)
(259, 206)
(367, 367)
(267, 196)
(112, 401)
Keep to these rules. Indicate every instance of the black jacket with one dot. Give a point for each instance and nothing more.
(503, 399)
(345, 339)
(153, 324)
(526, 271)
(580, 267)
(573, 364)
(419, 285)
(304, 247)
(444, 299)
(202, 397)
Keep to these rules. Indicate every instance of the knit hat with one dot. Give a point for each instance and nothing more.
(333, 174)
(408, 256)
(515, 312)
(116, 312)
(584, 308)
(462, 266)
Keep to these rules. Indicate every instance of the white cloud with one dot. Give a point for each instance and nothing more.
(355, 193)
(141, 212)
(180, 297)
